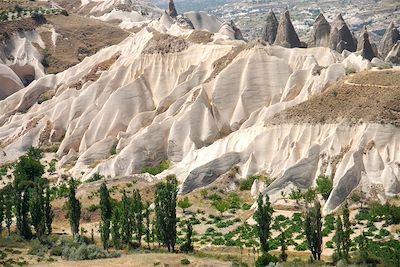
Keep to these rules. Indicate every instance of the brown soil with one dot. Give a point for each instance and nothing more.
(164, 43)
(372, 96)
(200, 37)
(80, 37)
(9, 27)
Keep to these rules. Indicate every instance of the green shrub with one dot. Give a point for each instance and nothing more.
(265, 259)
(247, 183)
(93, 208)
(74, 251)
(38, 250)
(165, 165)
(185, 261)
(95, 177)
(56, 251)
(329, 244)
(246, 206)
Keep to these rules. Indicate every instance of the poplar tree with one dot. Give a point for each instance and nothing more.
(138, 216)
(106, 213)
(8, 206)
(263, 217)
(74, 208)
(48, 211)
(346, 232)
(313, 230)
(165, 203)
(339, 238)
(147, 222)
(116, 227)
(37, 210)
(2, 211)
(126, 219)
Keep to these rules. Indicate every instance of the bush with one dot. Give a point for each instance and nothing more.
(56, 251)
(38, 250)
(165, 165)
(93, 208)
(185, 261)
(246, 206)
(64, 12)
(74, 251)
(246, 184)
(265, 259)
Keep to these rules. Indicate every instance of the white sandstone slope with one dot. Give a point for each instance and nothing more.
(205, 107)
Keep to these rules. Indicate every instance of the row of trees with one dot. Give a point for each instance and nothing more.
(27, 199)
(312, 230)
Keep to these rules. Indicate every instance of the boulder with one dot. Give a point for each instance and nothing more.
(394, 54)
(390, 38)
(380, 64)
(341, 38)
(286, 35)
(270, 28)
(321, 32)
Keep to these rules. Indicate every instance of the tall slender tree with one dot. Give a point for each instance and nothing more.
(116, 222)
(126, 219)
(8, 206)
(74, 208)
(147, 222)
(313, 230)
(339, 238)
(263, 217)
(37, 210)
(346, 232)
(138, 215)
(2, 211)
(48, 211)
(165, 203)
(106, 213)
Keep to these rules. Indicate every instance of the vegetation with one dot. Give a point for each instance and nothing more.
(324, 186)
(313, 229)
(74, 208)
(165, 207)
(165, 165)
(106, 213)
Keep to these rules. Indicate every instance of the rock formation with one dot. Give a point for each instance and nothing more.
(341, 38)
(364, 45)
(390, 38)
(321, 32)
(286, 35)
(394, 54)
(171, 9)
(270, 28)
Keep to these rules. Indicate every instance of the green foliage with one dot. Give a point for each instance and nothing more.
(116, 226)
(246, 184)
(346, 232)
(74, 251)
(165, 165)
(185, 261)
(165, 207)
(246, 206)
(234, 201)
(184, 204)
(263, 217)
(221, 206)
(313, 230)
(188, 246)
(96, 177)
(105, 213)
(204, 193)
(127, 220)
(296, 195)
(138, 216)
(265, 259)
(74, 208)
(52, 166)
(324, 186)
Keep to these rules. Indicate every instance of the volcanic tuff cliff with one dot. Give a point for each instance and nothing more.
(208, 103)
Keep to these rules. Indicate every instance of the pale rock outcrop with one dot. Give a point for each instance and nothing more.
(364, 46)
(286, 35)
(394, 54)
(390, 38)
(321, 32)
(341, 38)
(270, 28)
(9, 82)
